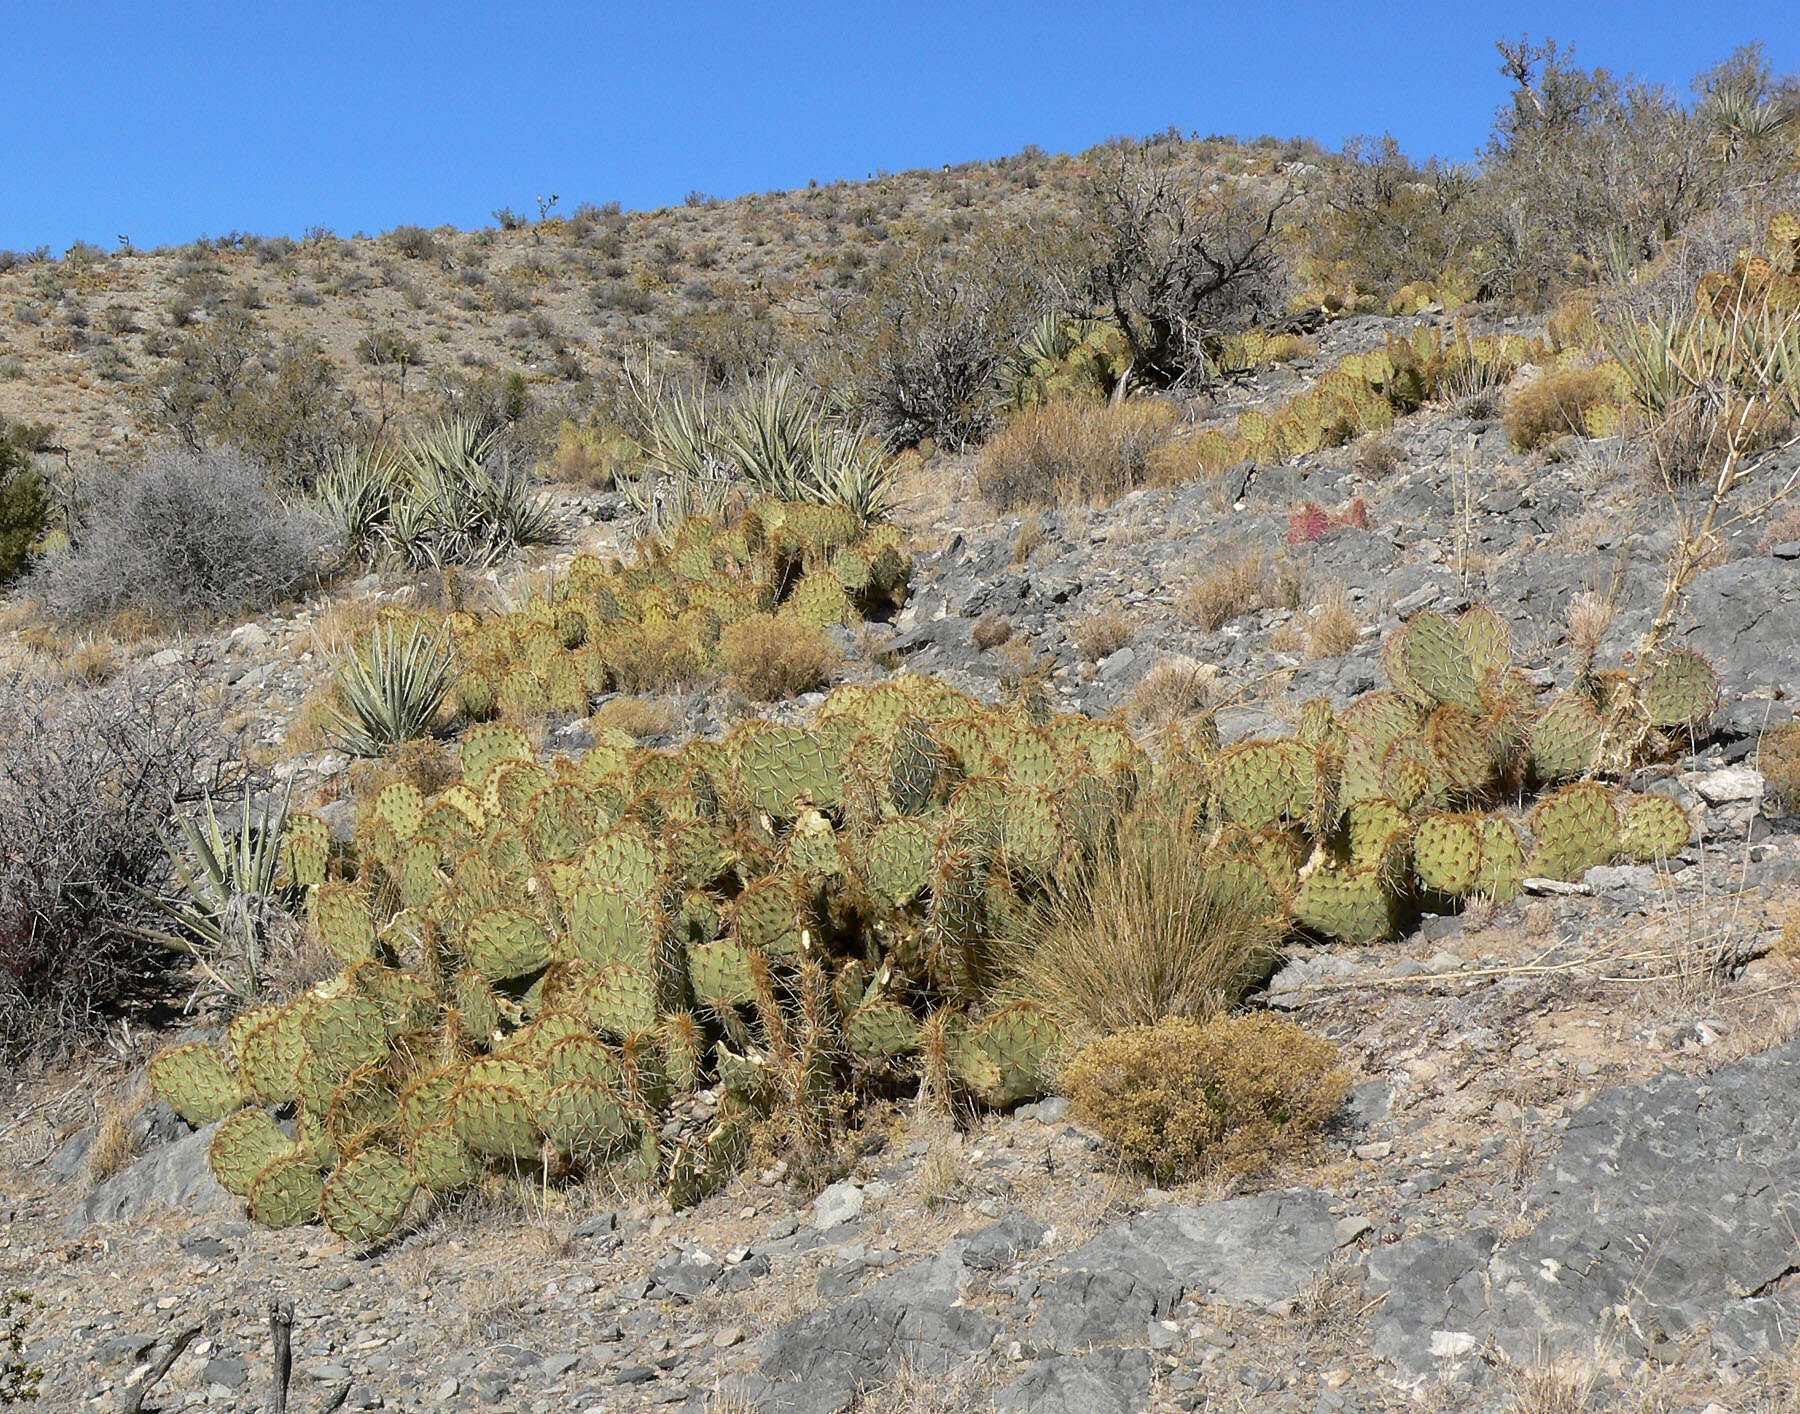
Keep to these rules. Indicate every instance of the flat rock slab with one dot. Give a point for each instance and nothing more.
(819, 1363)
(1671, 1205)
(1103, 1382)
(1255, 1252)
(174, 1176)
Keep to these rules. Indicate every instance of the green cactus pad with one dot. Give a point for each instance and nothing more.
(1446, 851)
(1679, 690)
(286, 1192)
(1573, 829)
(242, 1147)
(879, 1030)
(503, 943)
(1653, 828)
(196, 1082)
(367, 1195)
(1353, 906)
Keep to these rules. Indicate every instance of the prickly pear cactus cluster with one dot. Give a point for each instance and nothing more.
(538, 961)
(1356, 819)
(616, 627)
(1768, 277)
(541, 960)
(1365, 392)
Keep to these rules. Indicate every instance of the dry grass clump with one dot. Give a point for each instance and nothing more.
(1376, 455)
(1554, 405)
(990, 631)
(1031, 535)
(1147, 932)
(768, 659)
(1332, 628)
(114, 1143)
(638, 716)
(659, 657)
(1176, 687)
(1183, 1098)
(1073, 451)
(589, 457)
(1778, 758)
(1102, 634)
(1694, 435)
(1243, 583)
(1587, 619)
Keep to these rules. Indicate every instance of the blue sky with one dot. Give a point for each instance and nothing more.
(162, 120)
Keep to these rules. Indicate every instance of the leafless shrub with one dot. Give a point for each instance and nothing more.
(89, 778)
(1176, 264)
(188, 535)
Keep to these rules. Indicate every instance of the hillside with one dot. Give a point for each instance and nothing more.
(1156, 780)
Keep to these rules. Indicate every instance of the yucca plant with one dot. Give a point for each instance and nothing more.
(230, 899)
(391, 688)
(356, 495)
(849, 469)
(771, 437)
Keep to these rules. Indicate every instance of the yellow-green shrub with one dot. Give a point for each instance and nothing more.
(1180, 1099)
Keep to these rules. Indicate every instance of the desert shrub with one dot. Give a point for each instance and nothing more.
(24, 507)
(1073, 451)
(414, 242)
(188, 535)
(1182, 1098)
(1177, 264)
(990, 631)
(1146, 931)
(1778, 758)
(768, 658)
(1376, 455)
(227, 385)
(918, 354)
(592, 457)
(19, 1378)
(89, 778)
(1552, 405)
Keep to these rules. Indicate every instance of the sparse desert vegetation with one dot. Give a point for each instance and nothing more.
(625, 773)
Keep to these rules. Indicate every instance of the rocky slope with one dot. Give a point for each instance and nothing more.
(1566, 1178)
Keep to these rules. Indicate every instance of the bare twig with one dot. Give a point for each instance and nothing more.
(134, 1399)
(281, 1328)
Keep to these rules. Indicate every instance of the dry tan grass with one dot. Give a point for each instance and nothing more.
(1146, 933)
(1030, 536)
(1176, 687)
(1102, 634)
(1242, 583)
(1561, 1387)
(113, 1143)
(1073, 452)
(1332, 627)
(769, 658)
(1587, 619)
